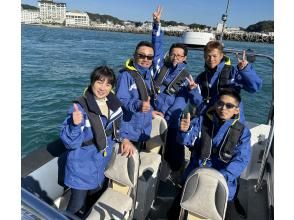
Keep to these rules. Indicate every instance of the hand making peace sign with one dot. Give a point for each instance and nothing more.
(192, 85)
(242, 63)
(157, 14)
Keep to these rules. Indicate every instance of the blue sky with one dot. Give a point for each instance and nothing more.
(208, 12)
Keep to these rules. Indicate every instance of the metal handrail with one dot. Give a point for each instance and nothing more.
(258, 185)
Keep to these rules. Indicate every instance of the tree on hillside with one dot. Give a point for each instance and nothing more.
(262, 26)
(104, 18)
(29, 7)
(196, 26)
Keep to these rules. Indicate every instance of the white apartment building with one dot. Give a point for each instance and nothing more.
(52, 12)
(179, 28)
(77, 19)
(29, 16)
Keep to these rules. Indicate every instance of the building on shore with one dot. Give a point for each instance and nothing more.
(30, 16)
(52, 12)
(77, 19)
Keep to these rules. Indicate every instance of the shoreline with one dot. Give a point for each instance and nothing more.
(244, 37)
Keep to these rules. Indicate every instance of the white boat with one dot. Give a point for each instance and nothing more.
(145, 191)
(44, 195)
(197, 39)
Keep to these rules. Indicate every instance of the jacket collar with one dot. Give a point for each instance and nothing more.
(112, 102)
(131, 65)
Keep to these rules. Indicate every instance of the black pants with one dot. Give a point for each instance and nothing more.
(174, 152)
(78, 198)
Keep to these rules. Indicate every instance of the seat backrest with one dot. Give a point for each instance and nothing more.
(118, 200)
(122, 171)
(205, 195)
(158, 135)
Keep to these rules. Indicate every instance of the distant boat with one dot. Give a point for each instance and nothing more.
(197, 39)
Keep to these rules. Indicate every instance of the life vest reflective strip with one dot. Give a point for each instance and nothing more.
(100, 134)
(226, 150)
(222, 82)
(174, 86)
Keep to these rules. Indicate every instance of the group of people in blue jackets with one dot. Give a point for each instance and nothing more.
(151, 85)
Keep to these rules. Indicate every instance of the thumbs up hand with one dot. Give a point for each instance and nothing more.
(77, 115)
(185, 122)
(146, 105)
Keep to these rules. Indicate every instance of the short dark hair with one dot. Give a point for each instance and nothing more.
(211, 45)
(179, 45)
(144, 43)
(230, 92)
(102, 73)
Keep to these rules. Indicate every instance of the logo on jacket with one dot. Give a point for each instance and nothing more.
(133, 86)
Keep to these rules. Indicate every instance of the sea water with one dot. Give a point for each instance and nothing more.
(56, 64)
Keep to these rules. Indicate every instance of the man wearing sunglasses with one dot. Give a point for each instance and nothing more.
(173, 84)
(218, 139)
(135, 90)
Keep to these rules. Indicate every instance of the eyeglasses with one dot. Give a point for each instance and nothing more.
(221, 104)
(143, 56)
(176, 55)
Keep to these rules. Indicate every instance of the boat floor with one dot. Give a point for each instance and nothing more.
(254, 203)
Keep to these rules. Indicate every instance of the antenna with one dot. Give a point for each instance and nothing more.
(224, 19)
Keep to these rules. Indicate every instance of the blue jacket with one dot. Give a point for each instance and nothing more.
(246, 79)
(85, 165)
(231, 170)
(136, 125)
(170, 105)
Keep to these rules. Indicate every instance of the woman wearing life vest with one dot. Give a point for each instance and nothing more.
(89, 133)
(219, 73)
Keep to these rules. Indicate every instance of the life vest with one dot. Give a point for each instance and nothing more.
(173, 87)
(143, 90)
(228, 144)
(223, 81)
(93, 112)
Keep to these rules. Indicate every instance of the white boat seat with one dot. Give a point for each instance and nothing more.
(205, 195)
(149, 161)
(112, 205)
(158, 135)
(118, 199)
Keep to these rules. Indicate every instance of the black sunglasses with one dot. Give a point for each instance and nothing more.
(221, 104)
(143, 56)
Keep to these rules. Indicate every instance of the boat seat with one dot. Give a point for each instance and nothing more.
(158, 135)
(117, 201)
(147, 183)
(150, 164)
(205, 195)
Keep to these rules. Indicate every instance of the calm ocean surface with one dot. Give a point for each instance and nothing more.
(56, 64)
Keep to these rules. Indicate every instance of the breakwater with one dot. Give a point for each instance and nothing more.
(249, 37)
(244, 36)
